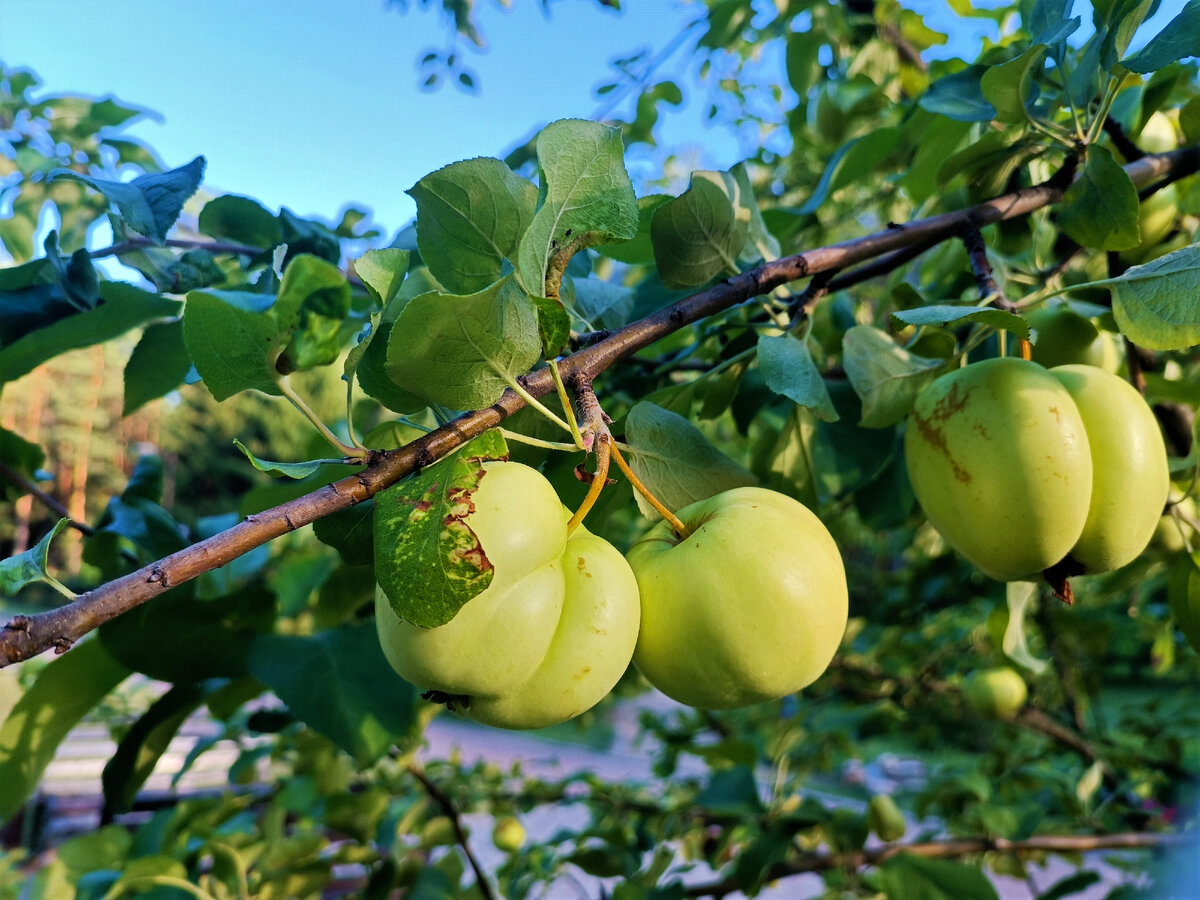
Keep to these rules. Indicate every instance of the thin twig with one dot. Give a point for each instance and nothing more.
(31, 635)
(439, 797)
(45, 499)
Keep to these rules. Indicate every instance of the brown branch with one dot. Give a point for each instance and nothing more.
(51, 503)
(447, 805)
(27, 636)
(948, 849)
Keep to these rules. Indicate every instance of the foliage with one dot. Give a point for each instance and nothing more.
(720, 356)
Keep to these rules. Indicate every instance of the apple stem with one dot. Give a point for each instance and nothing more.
(680, 528)
(599, 479)
(1026, 350)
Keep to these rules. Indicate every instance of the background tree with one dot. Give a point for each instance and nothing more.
(898, 215)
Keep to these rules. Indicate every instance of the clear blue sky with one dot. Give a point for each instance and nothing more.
(314, 104)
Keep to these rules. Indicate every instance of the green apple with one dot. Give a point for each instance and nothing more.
(1065, 337)
(885, 819)
(1167, 534)
(999, 460)
(996, 693)
(1130, 477)
(749, 606)
(508, 834)
(550, 635)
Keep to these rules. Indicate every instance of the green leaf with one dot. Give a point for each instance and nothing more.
(240, 220)
(45, 291)
(675, 460)
(908, 877)
(960, 96)
(1178, 40)
(1100, 208)
(1155, 304)
(124, 307)
(1125, 17)
(288, 470)
(144, 744)
(22, 457)
(852, 161)
(760, 237)
(232, 343)
(382, 273)
(944, 315)
(307, 236)
(313, 302)
(351, 532)
(1018, 595)
(638, 250)
(61, 695)
(602, 304)
(700, 234)
(470, 218)
(30, 567)
(339, 683)
(803, 66)
(789, 370)
(586, 198)
(1072, 884)
(150, 203)
(886, 377)
(1007, 86)
(428, 561)
(193, 638)
(554, 325)
(371, 367)
(159, 364)
(732, 791)
(1049, 22)
(463, 351)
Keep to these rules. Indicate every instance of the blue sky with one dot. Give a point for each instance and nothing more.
(314, 104)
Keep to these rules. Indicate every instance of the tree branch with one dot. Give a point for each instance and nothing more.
(447, 805)
(948, 849)
(26, 636)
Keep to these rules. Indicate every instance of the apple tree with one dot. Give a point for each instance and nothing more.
(993, 671)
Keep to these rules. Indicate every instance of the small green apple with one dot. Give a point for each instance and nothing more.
(508, 834)
(885, 819)
(997, 693)
(1167, 534)
(998, 457)
(1065, 337)
(750, 606)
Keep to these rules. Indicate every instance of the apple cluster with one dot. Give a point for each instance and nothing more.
(748, 605)
(1024, 469)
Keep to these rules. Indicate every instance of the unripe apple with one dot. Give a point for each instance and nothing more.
(1065, 337)
(1167, 534)
(549, 637)
(508, 834)
(998, 457)
(996, 693)
(1130, 477)
(750, 606)
(885, 818)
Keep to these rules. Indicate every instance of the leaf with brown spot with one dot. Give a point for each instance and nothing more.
(427, 559)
